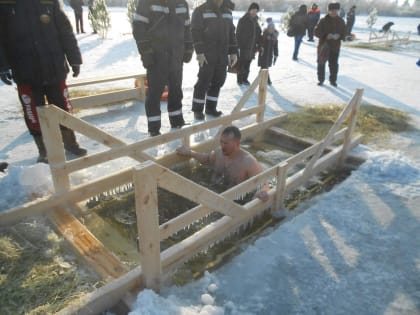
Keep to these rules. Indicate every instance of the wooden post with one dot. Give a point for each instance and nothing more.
(53, 142)
(280, 189)
(145, 184)
(262, 93)
(350, 129)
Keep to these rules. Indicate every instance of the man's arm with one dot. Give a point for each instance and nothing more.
(255, 168)
(203, 158)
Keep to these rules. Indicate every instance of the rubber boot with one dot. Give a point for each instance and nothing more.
(42, 158)
(70, 143)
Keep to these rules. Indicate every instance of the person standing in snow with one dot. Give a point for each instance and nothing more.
(269, 49)
(248, 35)
(331, 30)
(299, 24)
(162, 33)
(350, 19)
(215, 45)
(36, 44)
(77, 6)
(314, 15)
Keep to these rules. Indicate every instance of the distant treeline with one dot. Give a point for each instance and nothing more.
(384, 7)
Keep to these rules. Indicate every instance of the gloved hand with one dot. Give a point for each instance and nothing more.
(274, 60)
(76, 70)
(201, 58)
(233, 59)
(147, 59)
(6, 77)
(187, 55)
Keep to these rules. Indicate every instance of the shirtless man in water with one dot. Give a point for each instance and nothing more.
(231, 163)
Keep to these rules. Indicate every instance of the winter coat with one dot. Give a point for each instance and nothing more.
(36, 41)
(329, 25)
(299, 23)
(163, 28)
(213, 31)
(269, 49)
(248, 35)
(350, 18)
(77, 5)
(313, 17)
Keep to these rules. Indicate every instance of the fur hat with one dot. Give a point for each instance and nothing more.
(254, 5)
(333, 6)
(269, 21)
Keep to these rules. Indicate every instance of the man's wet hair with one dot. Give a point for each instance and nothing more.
(232, 131)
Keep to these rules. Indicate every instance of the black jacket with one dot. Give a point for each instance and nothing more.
(77, 6)
(269, 49)
(164, 28)
(213, 31)
(299, 22)
(329, 25)
(248, 35)
(36, 41)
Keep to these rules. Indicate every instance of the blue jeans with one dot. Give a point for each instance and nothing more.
(298, 41)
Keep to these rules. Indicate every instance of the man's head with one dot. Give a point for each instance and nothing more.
(230, 140)
(333, 9)
(253, 9)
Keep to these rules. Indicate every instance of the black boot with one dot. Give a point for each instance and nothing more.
(42, 158)
(3, 166)
(70, 143)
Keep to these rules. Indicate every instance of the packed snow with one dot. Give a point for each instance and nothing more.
(354, 250)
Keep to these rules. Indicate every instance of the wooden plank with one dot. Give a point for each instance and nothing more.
(296, 144)
(262, 93)
(106, 98)
(76, 194)
(186, 188)
(86, 244)
(88, 81)
(106, 296)
(324, 162)
(145, 183)
(173, 226)
(53, 142)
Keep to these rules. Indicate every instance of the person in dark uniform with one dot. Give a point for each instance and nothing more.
(314, 15)
(77, 6)
(36, 44)
(214, 41)
(350, 19)
(248, 35)
(162, 33)
(331, 30)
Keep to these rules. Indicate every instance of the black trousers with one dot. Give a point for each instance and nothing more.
(332, 65)
(211, 78)
(79, 22)
(158, 75)
(243, 72)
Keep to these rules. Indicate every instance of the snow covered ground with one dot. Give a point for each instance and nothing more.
(354, 251)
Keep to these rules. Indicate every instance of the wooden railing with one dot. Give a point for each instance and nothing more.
(137, 92)
(151, 173)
